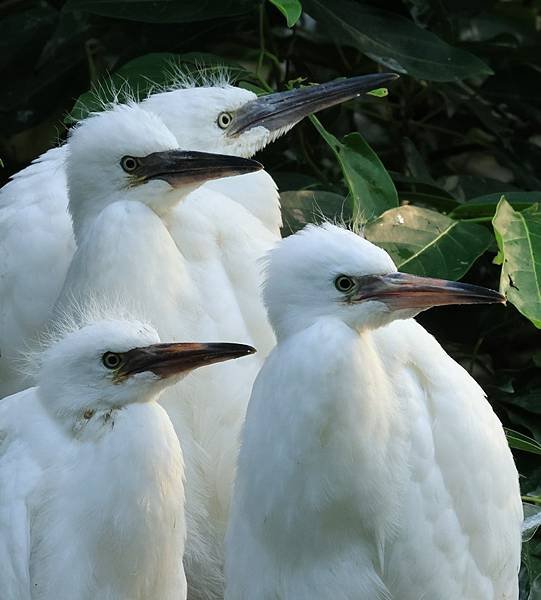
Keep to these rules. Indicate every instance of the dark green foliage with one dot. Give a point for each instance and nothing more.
(423, 169)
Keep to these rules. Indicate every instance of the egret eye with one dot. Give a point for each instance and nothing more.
(224, 120)
(111, 360)
(129, 163)
(344, 284)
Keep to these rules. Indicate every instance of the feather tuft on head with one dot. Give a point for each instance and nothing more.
(76, 315)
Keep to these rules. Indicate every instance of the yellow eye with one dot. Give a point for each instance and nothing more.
(129, 163)
(224, 120)
(344, 284)
(111, 360)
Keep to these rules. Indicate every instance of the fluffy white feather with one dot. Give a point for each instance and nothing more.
(364, 449)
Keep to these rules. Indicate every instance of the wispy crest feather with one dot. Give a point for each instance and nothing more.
(198, 74)
(110, 91)
(76, 315)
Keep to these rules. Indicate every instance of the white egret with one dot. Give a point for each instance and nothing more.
(91, 470)
(371, 464)
(209, 283)
(125, 179)
(36, 238)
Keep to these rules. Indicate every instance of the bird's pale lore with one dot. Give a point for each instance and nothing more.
(365, 445)
(91, 470)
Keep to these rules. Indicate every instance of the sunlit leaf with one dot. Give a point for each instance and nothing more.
(371, 188)
(379, 93)
(519, 240)
(424, 242)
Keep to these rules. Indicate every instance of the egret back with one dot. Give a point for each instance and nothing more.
(461, 511)
(21, 468)
(364, 454)
(36, 246)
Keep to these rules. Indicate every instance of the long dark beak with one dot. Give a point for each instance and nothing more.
(180, 168)
(285, 109)
(400, 290)
(166, 360)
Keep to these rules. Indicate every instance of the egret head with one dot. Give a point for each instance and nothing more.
(330, 272)
(232, 120)
(127, 153)
(112, 363)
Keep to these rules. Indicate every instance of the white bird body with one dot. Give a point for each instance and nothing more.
(371, 464)
(219, 239)
(91, 505)
(197, 289)
(36, 248)
(34, 208)
(34, 205)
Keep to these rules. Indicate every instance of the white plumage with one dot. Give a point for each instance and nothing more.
(371, 464)
(36, 233)
(126, 253)
(91, 470)
(195, 271)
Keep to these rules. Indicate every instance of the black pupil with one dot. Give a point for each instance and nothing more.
(344, 283)
(225, 119)
(129, 163)
(111, 360)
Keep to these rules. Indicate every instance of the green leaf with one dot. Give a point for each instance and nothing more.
(140, 76)
(427, 200)
(371, 188)
(311, 206)
(519, 240)
(379, 93)
(163, 11)
(424, 242)
(395, 42)
(485, 206)
(522, 442)
(291, 9)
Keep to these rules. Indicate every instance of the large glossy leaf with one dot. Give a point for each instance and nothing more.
(425, 242)
(485, 206)
(291, 9)
(311, 206)
(163, 11)
(141, 75)
(371, 188)
(519, 239)
(394, 41)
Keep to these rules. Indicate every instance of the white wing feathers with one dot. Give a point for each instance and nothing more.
(36, 247)
(20, 472)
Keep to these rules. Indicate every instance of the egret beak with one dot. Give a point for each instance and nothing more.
(285, 109)
(403, 291)
(166, 360)
(180, 168)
